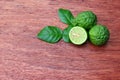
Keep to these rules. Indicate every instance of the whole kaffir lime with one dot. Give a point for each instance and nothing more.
(99, 35)
(85, 19)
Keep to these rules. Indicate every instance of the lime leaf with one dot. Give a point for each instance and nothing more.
(66, 34)
(78, 35)
(65, 16)
(99, 35)
(50, 34)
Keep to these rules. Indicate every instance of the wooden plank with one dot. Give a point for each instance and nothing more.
(24, 57)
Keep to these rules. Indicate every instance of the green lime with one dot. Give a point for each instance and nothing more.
(78, 35)
(99, 34)
(85, 19)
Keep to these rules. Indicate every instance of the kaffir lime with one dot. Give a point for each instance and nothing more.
(99, 35)
(85, 19)
(78, 35)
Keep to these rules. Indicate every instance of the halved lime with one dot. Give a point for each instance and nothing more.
(78, 35)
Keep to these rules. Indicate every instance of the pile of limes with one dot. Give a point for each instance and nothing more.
(86, 27)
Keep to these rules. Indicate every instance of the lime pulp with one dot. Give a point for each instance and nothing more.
(78, 35)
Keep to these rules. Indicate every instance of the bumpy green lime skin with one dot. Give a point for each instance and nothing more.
(85, 19)
(99, 35)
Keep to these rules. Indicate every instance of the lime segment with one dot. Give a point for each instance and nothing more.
(78, 35)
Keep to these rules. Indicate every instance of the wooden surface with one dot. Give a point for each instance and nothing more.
(24, 57)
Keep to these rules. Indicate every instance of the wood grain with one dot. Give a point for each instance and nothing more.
(24, 57)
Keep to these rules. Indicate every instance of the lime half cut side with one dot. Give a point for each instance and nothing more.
(78, 35)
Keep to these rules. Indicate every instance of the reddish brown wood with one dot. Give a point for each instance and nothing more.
(24, 57)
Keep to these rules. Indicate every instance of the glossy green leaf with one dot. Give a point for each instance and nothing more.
(50, 34)
(66, 34)
(65, 16)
